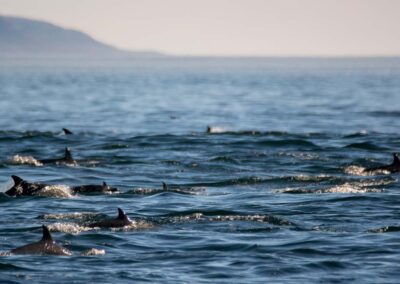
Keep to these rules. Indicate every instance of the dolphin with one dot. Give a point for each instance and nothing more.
(46, 246)
(91, 188)
(394, 167)
(67, 159)
(67, 131)
(24, 188)
(164, 186)
(121, 221)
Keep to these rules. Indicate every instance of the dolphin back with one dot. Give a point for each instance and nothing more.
(46, 246)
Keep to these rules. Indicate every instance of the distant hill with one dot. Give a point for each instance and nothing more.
(20, 37)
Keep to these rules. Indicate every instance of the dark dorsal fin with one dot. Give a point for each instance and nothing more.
(67, 131)
(121, 214)
(396, 160)
(46, 234)
(68, 154)
(105, 184)
(164, 186)
(208, 129)
(17, 180)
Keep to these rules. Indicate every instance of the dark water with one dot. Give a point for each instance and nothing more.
(279, 126)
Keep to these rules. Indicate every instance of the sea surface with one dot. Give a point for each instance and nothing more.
(274, 192)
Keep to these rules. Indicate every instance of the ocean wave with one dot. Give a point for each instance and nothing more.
(28, 134)
(313, 178)
(72, 216)
(360, 171)
(227, 217)
(300, 155)
(25, 160)
(225, 159)
(75, 229)
(324, 228)
(251, 218)
(60, 191)
(253, 180)
(288, 143)
(366, 146)
(29, 160)
(6, 266)
(347, 187)
(93, 251)
(69, 228)
(387, 229)
(389, 113)
(275, 133)
(361, 133)
(134, 226)
(153, 191)
(216, 129)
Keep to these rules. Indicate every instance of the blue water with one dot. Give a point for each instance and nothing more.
(279, 126)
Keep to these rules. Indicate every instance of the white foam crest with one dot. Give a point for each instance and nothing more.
(360, 171)
(90, 163)
(93, 251)
(5, 253)
(291, 189)
(253, 218)
(73, 164)
(135, 225)
(379, 230)
(74, 215)
(329, 229)
(25, 160)
(194, 216)
(310, 178)
(70, 228)
(362, 132)
(61, 191)
(348, 188)
(150, 191)
(216, 129)
(225, 218)
(356, 187)
(356, 170)
(191, 191)
(300, 155)
(145, 191)
(378, 182)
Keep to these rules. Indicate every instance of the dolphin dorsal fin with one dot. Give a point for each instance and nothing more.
(67, 131)
(17, 180)
(68, 154)
(46, 234)
(396, 160)
(121, 214)
(164, 186)
(105, 184)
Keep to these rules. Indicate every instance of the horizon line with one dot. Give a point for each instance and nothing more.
(210, 55)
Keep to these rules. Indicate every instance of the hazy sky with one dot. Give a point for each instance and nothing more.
(228, 27)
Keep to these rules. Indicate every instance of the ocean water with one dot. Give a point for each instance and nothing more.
(274, 193)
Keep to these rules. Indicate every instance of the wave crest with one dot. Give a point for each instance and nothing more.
(360, 171)
(93, 251)
(347, 187)
(74, 216)
(25, 160)
(70, 228)
(61, 191)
